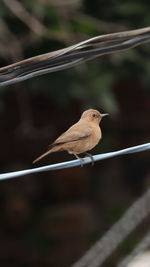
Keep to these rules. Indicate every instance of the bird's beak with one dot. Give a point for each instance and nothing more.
(105, 114)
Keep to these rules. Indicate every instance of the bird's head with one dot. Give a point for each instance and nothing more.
(93, 115)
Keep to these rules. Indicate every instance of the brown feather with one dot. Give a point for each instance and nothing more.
(79, 138)
(53, 149)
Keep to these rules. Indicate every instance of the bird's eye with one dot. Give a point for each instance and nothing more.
(93, 115)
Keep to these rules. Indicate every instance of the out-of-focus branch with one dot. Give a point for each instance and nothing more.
(141, 247)
(73, 55)
(32, 22)
(98, 24)
(15, 50)
(61, 3)
(119, 231)
(21, 13)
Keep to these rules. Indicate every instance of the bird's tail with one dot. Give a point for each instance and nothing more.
(53, 149)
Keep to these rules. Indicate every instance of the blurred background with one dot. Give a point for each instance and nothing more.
(51, 219)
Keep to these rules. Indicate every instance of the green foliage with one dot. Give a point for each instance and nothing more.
(92, 84)
(27, 105)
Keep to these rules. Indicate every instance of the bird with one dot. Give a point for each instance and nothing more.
(80, 137)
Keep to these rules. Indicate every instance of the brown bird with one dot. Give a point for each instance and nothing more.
(79, 138)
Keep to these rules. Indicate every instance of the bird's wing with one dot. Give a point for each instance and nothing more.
(74, 133)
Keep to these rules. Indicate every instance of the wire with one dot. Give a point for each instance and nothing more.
(73, 55)
(74, 163)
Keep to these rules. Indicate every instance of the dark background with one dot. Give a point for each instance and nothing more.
(51, 219)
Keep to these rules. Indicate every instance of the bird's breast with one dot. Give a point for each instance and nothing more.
(87, 143)
(96, 135)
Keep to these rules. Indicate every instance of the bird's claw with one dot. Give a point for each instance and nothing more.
(91, 157)
(81, 160)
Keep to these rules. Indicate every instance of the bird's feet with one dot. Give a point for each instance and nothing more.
(81, 160)
(91, 157)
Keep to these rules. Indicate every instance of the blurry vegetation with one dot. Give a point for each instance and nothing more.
(35, 27)
(49, 212)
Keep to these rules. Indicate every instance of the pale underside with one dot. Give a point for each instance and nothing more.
(78, 139)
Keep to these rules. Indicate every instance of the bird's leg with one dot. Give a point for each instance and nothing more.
(91, 157)
(81, 160)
